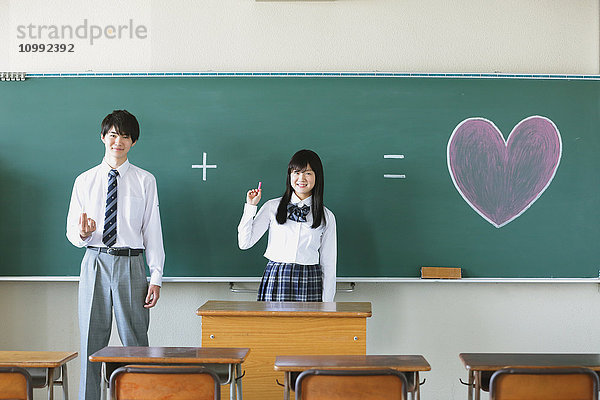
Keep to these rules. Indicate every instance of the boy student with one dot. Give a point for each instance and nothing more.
(114, 214)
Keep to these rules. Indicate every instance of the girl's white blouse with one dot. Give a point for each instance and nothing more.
(293, 242)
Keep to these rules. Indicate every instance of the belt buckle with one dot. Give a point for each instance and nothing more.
(112, 252)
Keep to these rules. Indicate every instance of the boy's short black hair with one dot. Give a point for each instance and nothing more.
(124, 122)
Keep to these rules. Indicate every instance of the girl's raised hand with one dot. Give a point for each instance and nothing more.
(253, 196)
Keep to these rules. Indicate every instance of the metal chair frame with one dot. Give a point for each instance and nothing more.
(158, 369)
(349, 373)
(544, 371)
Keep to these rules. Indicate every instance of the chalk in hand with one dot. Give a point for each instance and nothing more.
(259, 185)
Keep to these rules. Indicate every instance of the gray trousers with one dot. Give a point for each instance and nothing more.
(106, 283)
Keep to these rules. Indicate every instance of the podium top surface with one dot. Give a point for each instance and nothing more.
(285, 309)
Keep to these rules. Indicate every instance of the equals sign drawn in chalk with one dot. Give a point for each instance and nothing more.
(394, 176)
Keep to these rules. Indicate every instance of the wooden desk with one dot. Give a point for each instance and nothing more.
(274, 328)
(409, 365)
(233, 357)
(478, 363)
(46, 361)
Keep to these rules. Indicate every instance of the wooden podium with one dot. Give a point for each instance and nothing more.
(272, 329)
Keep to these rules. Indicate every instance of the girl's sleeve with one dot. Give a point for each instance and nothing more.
(252, 225)
(328, 257)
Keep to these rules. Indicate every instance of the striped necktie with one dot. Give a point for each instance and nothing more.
(109, 237)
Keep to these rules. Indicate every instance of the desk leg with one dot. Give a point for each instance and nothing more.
(103, 385)
(65, 382)
(50, 380)
(478, 385)
(417, 387)
(238, 380)
(286, 385)
(470, 386)
(231, 383)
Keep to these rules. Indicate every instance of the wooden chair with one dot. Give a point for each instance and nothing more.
(317, 384)
(15, 383)
(547, 383)
(151, 382)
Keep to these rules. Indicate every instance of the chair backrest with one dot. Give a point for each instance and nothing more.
(317, 384)
(146, 382)
(547, 383)
(15, 383)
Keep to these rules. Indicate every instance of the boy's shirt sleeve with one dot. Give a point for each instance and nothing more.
(75, 210)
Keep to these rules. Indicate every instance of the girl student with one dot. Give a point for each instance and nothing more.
(302, 245)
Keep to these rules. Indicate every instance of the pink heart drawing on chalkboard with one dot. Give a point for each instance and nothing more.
(500, 179)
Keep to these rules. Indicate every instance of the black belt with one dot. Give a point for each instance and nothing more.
(118, 252)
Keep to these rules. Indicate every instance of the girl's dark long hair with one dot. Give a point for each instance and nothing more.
(299, 162)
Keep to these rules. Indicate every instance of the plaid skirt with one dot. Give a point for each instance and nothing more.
(291, 282)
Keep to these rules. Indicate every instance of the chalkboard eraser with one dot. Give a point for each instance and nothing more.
(441, 273)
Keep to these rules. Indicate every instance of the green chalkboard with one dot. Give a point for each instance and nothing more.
(250, 126)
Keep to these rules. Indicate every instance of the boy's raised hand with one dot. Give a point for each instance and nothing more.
(87, 226)
(253, 196)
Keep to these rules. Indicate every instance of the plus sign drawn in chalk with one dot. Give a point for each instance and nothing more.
(204, 166)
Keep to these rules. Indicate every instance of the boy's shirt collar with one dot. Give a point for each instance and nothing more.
(122, 169)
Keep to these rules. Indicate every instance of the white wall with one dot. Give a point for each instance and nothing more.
(541, 36)
(438, 320)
